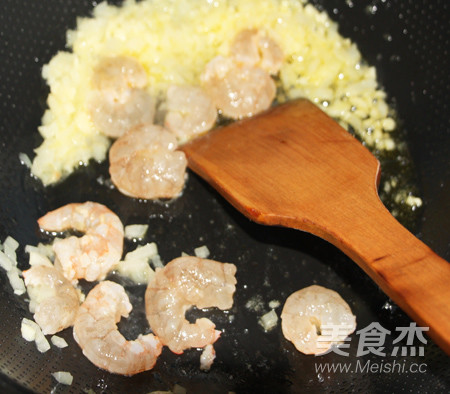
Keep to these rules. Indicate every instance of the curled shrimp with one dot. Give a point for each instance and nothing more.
(252, 48)
(181, 284)
(145, 164)
(119, 100)
(94, 254)
(315, 318)
(95, 330)
(53, 299)
(190, 112)
(237, 91)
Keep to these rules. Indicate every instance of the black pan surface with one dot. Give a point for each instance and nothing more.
(408, 42)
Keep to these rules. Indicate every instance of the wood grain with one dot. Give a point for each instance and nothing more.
(294, 166)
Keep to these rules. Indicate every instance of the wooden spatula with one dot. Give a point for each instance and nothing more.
(294, 166)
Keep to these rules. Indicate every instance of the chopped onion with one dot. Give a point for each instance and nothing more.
(43, 249)
(63, 377)
(146, 251)
(41, 341)
(9, 263)
(16, 281)
(274, 304)
(207, 357)
(25, 160)
(28, 329)
(255, 304)
(32, 332)
(136, 231)
(11, 242)
(10, 246)
(58, 341)
(413, 201)
(5, 263)
(202, 252)
(139, 271)
(156, 261)
(37, 258)
(136, 264)
(269, 320)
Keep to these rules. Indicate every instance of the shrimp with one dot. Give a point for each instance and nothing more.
(182, 283)
(119, 100)
(118, 73)
(315, 318)
(253, 48)
(93, 255)
(54, 300)
(114, 116)
(237, 91)
(190, 112)
(95, 330)
(144, 163)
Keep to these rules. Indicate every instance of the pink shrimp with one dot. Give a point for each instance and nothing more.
(54, 300)
(182, 283)
(118, 73)
(253, 48)
(190, 112)
(237, 91)
(145, 164)
(119, 100)
(93, 255)
(310, 313)
(95, 330)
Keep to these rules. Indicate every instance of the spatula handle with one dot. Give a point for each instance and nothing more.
(407, 270)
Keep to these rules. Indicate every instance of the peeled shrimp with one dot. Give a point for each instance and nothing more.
(237, 91)
(252, 48)
(118, 73)
(93, 255)
(114, 115)
(144, 163)
(119, 101)
(190, 112)
(181, 284)
(55, 300)
(95, 330)
(315, 318)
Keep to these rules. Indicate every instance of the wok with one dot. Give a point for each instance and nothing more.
(408, 43)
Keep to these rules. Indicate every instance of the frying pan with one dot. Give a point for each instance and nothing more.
(408, 43)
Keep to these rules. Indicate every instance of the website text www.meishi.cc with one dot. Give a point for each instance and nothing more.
(398, 367)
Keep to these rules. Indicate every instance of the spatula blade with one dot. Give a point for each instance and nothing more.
(275, 165)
